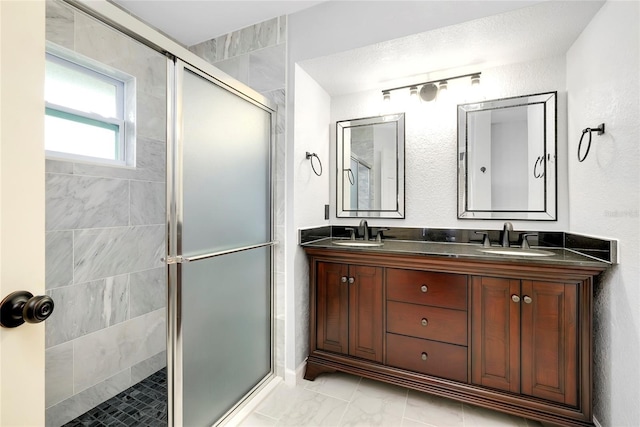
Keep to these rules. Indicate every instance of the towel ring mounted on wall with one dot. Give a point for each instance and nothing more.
(310, 156)
(599, 129)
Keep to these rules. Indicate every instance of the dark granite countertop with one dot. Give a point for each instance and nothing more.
(464, 250)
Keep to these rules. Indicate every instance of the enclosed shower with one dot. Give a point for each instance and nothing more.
(159, 253)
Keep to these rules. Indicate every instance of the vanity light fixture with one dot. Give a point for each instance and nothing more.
(429, 90)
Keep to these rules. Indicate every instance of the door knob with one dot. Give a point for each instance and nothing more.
(21, 306)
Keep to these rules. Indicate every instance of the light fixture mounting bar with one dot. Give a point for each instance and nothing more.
(432, 81)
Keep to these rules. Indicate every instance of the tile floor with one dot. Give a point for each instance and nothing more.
(331, 400)
(346, 400)
(144, 404)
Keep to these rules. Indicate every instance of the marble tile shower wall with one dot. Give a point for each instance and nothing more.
(256, 56)
(105, 237)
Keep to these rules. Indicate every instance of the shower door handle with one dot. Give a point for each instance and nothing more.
(21, 306)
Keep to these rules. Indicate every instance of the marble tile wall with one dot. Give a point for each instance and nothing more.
(256, 56)
(105, 237)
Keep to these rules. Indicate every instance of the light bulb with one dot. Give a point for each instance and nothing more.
(386, 96)
(475, 80)
(413, 92)
(443, 89)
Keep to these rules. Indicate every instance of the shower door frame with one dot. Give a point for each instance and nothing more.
(120, 20)
(175, 259)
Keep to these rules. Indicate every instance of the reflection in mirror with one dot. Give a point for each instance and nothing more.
(506, 158)
(370, 160)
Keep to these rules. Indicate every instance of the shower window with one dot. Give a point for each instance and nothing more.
(86, 111)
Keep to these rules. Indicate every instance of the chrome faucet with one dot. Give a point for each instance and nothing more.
(365, 233)
(505, 234)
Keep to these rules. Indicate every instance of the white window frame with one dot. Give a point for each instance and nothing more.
(123, 123)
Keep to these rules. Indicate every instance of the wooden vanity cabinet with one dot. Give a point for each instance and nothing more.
(524, 337)
(349, 310)
(513, 337)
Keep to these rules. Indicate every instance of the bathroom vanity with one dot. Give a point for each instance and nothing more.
(504, 332)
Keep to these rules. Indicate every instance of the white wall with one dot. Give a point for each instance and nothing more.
(602, 83)
(310, 194)
(431, 143)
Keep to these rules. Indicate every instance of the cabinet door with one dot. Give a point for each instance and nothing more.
(495, 334)
(332, 312)
(365, 316)
(549, 338)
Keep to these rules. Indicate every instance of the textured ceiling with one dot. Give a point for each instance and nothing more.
(543, 30)
(193, 21)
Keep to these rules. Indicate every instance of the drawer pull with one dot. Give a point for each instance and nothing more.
(527, 299)
(515, 298)
(351, 280)
(424, 356)
(424, 289)
(424, 322)
(343, 279)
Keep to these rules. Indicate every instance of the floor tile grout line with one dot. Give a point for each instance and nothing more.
(404, 409)
(328, 395)
(344, 413)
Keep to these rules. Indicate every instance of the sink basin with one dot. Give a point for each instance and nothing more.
(516, 252)
(358, 243)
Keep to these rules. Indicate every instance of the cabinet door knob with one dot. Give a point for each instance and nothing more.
(424, 356)
(527, 299)
(424, 322)
(351, 280)
(424, 289)
(515, 298)
(343, 279)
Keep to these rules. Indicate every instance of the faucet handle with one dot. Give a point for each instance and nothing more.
(525, 241)
(486, 242)
(379, 235)
(352, 231)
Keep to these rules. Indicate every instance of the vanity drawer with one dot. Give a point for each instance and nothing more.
(424, 287)
(434, 323)
(427, 357)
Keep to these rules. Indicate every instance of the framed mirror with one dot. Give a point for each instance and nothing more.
(507, 158)
(370, 167)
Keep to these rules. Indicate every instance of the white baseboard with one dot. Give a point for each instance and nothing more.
(291, 377)
(596, 422)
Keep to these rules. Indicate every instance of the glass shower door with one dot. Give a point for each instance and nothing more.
(220, 264)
